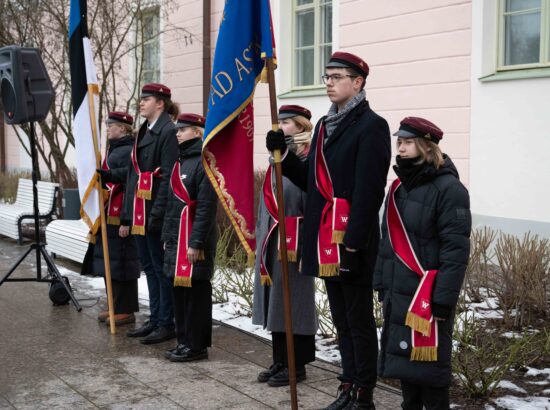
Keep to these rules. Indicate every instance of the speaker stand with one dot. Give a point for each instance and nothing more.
(38, 246)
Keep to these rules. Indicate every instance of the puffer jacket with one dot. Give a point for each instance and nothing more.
(204, 233)
(436, 216)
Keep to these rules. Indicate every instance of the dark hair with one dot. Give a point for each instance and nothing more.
(170, 107)
(354, 73)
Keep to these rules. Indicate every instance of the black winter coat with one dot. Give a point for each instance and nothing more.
(358, 156)
(158, 148)
(204, 233)
(436, 215)
(122, 251)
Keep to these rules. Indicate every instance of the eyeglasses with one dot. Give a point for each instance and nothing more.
(335, 77)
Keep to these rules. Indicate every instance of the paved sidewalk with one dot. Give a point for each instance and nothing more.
(56, 358)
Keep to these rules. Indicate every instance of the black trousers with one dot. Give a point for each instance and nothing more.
(193, 314)
(416, 397)
(125, 296)
(352, 314)
(304, 349)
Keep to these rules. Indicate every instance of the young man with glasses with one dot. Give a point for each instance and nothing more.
(344, 177)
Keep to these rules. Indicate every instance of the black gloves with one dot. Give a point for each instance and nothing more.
(154, 226)
(276, 140)
(349, 264)
(105, 174)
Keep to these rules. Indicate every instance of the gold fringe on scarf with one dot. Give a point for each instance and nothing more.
(250, 259)
(144, 193)
(418, 323)
(182, 281)
(265, 280)
(424, 354)
(330, 269)
(292, 256)
(138, 230)
(338, 237)
(113, 220)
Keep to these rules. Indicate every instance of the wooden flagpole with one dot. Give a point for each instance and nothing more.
(106, 260)
(282, 239)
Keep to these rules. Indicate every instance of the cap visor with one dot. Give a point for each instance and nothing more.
(336, 64)
(404, 134)
(286, 115)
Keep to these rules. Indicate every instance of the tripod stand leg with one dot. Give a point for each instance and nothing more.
(12, 269)
(53, 269)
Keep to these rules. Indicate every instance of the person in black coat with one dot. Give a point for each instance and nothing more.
(125, 269)
(428, 213)
(348, 190)
(190, 235)
(154, 155)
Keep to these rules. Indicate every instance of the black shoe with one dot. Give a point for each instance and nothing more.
(159, 335)
(187, 355)
(344, 397)
(281, 378)
(275, 368)
(170, 352)
(142, 331)
(361, 400)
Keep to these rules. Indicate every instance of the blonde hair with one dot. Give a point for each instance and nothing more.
(302, 122)
(199, 130)
(429, 152)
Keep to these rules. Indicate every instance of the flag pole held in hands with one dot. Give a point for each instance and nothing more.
(282, 240)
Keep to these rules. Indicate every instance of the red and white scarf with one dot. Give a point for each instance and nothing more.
(334, 218)
(419, 315)
(292, 228)
(184, 268)
(115, 195)
(143, 192)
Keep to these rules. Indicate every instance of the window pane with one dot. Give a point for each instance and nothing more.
(326, 52)
(522, 41)
(326, 23)
(304, 67)
(517, 5)
(302, 2)
(305, 21)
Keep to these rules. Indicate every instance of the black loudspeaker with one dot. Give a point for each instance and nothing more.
(58, 294)
(25, 87)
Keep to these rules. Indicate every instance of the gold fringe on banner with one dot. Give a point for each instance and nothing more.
(138, 230)
(418, 323)
(424, 354)
(265, 280)
(113, 220)
(145, 194)
(250, 259)
(182, 281)
(338, 237)
(328, 270)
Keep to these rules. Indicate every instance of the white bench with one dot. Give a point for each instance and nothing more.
(67, 238)
(13, 215)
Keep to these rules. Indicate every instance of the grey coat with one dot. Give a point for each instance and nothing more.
(268, 309)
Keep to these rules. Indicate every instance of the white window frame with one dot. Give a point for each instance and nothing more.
(155, 11)
(544, 52)
(318, 71)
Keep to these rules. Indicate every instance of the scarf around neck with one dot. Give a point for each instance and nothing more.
(334, 117)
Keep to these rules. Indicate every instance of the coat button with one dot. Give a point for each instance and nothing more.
(403, 345)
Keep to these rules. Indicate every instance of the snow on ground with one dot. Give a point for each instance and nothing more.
(523, 403)
(505, 384)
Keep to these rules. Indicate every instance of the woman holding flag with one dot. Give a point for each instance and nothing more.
(190, 235)
(125, 269)
(294, 121)
(421, 264)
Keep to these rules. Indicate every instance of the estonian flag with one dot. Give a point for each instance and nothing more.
(85, 96)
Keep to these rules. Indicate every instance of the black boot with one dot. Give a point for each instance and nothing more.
(275, 368)
(344, 397)
(361, 400)
(282, 377)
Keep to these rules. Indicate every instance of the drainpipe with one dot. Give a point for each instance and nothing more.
(206, 56)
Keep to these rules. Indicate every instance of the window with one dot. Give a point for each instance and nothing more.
(149, 36)
(312, 41)
(524, 34)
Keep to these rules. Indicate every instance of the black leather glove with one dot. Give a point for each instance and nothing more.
(154, 227)
(276, 140)
(105, 174)
(349, 264)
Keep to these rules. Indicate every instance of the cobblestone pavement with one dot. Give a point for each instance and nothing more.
(53, 357)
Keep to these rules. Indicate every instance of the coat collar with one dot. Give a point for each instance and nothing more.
(145, 138)
(348, 120)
